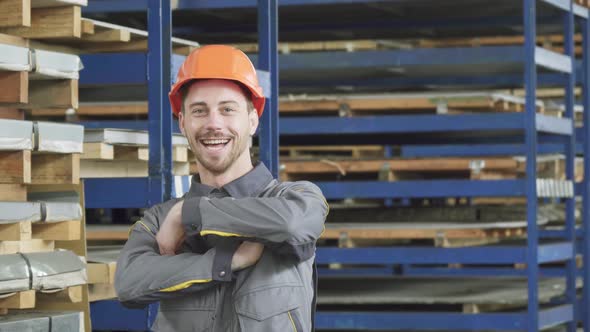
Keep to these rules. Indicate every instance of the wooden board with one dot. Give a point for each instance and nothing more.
(15, 13)
(107, 232)
(101, 273)
(20, 300)
(112, 109)
(15, 166)
(98, 151)
(55, 168)
(35, 245)
(12, 113)
(16, 231)
(62, 231)
(53, 94)
(50, 23)
(13, 192)
(14, 87)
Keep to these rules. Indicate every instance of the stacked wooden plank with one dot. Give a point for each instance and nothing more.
(550, 41)
(102, 264)
(124, 153)
(41, 211)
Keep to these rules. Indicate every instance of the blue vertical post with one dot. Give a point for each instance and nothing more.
(570, 219)
(586, 183)
(159, 114)
(529, 11)
(268, 60)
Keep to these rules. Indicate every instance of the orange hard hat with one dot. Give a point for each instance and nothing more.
(217, 62)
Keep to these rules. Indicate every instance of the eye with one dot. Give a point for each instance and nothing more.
(197, 111)
(228, 110)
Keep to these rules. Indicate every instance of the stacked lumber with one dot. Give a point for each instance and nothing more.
(125, 153)
(41, 214)
(403, 103)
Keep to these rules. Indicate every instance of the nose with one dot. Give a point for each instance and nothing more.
(214, 121)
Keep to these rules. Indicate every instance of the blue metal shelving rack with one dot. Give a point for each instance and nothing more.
(530, 134)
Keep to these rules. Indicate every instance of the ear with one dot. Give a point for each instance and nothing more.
(253, 119)
(181, 123)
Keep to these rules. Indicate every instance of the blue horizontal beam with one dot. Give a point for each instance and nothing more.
(111, 315)
(420, 321)
(131, 69)
(422, 255)
(117, 193)
(475, 150)
(120, 68)
(402, 124)
(423, 271)
(428, 255)
(509, 321)
(422, 189)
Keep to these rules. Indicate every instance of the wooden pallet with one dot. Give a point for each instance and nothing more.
(40, 299)
(352, 235)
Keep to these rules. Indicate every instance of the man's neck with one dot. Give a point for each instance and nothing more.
(239, 168)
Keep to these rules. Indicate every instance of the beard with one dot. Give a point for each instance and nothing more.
(218, 165)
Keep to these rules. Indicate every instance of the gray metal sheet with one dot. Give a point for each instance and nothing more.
(51, 270)
(42, 321)
(16, 135)
(24, 322)
(56, 65)
(125, 137)
(507, 291)
(14, 58)
(60, 211)
(11, 212)
(60, 137)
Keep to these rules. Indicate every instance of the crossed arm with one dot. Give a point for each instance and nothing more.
(289, 224)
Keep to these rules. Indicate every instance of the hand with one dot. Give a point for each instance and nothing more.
(248, 254)
(171, 234)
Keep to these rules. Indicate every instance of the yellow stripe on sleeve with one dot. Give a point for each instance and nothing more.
(184, 285)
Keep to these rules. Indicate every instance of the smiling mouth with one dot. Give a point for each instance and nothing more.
(214, 143)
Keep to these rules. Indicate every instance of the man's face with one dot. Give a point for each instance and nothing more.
(217, 123)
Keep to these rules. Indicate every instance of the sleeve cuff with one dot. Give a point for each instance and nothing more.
(191, 216)
(224, 254)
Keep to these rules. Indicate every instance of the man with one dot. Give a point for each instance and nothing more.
(236, 252)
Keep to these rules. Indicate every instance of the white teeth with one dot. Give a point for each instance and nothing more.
(215, 141)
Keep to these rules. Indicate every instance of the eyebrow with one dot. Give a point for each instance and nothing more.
(228, 102)
(198, 103)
